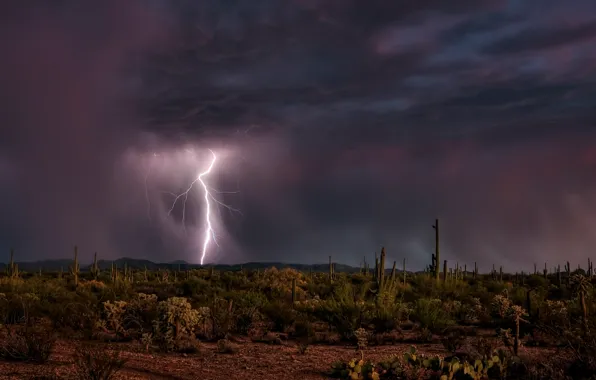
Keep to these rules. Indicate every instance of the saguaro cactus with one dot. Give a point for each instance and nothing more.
(382, 267)
(437, 255)
(444, 270)
(95, 271)
(404, 270)
(12, 269)
(74, 268)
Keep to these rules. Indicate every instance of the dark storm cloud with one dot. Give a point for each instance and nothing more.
(534, 39)
(360, 122)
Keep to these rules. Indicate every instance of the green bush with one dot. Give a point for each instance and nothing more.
(430, 314)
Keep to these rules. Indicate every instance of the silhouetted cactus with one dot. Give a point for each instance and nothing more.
(95, 271)
(382, 267)
(12, 269)
(404, 270)
(75, 268)
(437, 255)
(581, 286)
(568, 268)
(444, 270)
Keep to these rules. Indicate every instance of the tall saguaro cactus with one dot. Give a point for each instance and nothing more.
(444, 270)
(404, 270)
(95, 268)
(382, 267)
(12, 269)
(437, 257)
(74, 268)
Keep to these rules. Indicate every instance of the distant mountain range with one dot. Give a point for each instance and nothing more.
(56, 265)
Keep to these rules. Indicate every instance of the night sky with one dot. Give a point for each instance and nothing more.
(340, 126)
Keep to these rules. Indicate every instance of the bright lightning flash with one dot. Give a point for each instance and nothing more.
(209, 232)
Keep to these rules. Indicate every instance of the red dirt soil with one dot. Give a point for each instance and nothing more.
(250, 361)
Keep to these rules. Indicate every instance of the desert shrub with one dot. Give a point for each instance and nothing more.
(224, 346)
(304, 333)
(483, 348)
(430, 315)
(346, 311)
(96, 363)
(495, 287)
(281, 315)
(18, 308)
(453, 340)
(344, 317)
(303, 328)
(196, 286)
(555, 313)
(222, 317)
(79, 317)
(248, 310)
(385, 318)
(536, 281)
(26, 343)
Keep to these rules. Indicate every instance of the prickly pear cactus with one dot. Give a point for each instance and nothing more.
(355, 369)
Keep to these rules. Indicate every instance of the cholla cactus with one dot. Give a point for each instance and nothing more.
(556, 313)
(581, 286)
(517, 313)
(361, 338)
(501, 305)
(475, 309)
(115, 312)
(177, 320)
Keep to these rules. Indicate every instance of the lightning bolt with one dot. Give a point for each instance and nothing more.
(210, 234)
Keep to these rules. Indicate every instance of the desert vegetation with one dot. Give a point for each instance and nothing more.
(443, 323)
